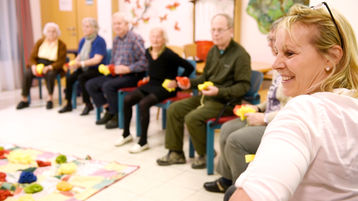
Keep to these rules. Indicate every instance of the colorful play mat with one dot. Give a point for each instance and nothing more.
(28, 174)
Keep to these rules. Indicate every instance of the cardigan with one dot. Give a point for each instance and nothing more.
(164, 67)
(61, 55)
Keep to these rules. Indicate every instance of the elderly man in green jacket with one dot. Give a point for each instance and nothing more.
(228, 68)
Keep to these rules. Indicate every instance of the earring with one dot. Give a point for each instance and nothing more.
(328, 69)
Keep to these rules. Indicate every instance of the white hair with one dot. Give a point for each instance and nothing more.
(164, 33)
(54, 25)
(92, 22)
(125, 17)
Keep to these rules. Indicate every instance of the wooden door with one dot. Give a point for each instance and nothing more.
(70, 21)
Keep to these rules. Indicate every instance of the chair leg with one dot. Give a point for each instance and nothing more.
(138, 127)
(164, 118)
(74, 95)
(121, 95)
(191, 149)
(209, 148)
(98, 113)
(40, 86)
(59, 89)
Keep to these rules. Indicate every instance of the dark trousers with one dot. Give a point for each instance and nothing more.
(145, 102)
(49, 77)
(82, 77)
(104, 89)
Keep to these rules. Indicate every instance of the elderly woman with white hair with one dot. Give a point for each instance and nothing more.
(163, 64)
(49, 51)
(91, 53)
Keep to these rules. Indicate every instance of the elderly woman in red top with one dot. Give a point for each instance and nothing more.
(49, 51)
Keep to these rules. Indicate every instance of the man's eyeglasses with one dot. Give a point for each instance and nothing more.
(334, 21)
(219, 31)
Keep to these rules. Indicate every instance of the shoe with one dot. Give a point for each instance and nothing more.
(199, 162)
(106, 117)
(137, 148)
(22, 105)
(216, 186)
(67, 108)
(113, 123)
(87, 109)
(172, 158)
(49, 105)
(123, 140)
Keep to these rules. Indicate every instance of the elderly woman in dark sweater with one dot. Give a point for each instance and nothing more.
(163, 64)
(49, 51)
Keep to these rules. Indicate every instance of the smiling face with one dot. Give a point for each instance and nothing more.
(298, 61)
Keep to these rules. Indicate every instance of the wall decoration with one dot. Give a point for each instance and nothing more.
(175, 16)
(266, 12)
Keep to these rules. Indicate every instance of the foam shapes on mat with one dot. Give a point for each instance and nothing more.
(64, 186)
(61, 159)
(20, 156)
(67, 168)
(27, 177)
(43, 163)
(33, 188)
(26, 198)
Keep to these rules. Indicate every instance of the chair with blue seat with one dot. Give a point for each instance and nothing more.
(58, 78)
(252, 96)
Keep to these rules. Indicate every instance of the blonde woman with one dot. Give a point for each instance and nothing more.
(309, 151)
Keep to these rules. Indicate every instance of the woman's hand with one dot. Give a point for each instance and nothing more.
(255, 119)
(184, 87)
(172, 84)
(46, 69)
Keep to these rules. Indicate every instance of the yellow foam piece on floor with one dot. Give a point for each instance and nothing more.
(249, 157)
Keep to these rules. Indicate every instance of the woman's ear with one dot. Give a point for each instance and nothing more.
(335, 54)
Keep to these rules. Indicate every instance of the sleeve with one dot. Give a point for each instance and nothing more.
(100, 47)
(188, 68)
(61, 56)
(141, 63)
(34, 52)
(242, 79)
(203, 77)
(287, 149)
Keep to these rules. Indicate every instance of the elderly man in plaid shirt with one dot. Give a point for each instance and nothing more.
(128, 56)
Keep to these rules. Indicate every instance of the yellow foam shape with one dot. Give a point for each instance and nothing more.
(26, 197)
(73, 62)
(64, 186)
(20, 156)
(249, 157)
(244, 110)
(165, 85)
(40, 68)
(67, 168)
(104, 69)
(205, 85)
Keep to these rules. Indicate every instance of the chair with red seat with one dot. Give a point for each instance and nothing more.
(252, 96)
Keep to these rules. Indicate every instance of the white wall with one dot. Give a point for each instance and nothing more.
(104, 18)
(255, 42)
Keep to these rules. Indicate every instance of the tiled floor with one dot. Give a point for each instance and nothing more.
(70, 133)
